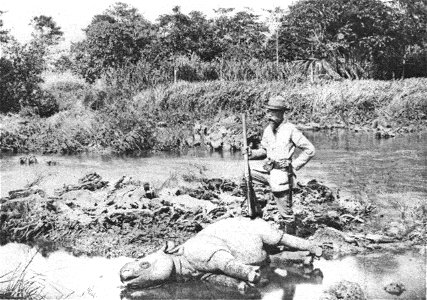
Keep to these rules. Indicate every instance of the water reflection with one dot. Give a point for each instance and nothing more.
(65, 276)
(272, 286)
(353, 162)
(284, 288)
(188, 290)
(62, 275)
(374, 271)
(371, 272)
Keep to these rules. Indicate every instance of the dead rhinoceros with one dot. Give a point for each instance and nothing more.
(226, 252)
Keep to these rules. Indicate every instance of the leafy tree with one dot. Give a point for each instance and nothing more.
(203, 34)
(21, 68)
(113, 40)
(413, 21)
(413, 39)
(3, 32)
(347, 34)
(274, 20)
(174, 35)
(178, 34)
(46, 31)
(340, 38)
(239, 36)
(45, 36)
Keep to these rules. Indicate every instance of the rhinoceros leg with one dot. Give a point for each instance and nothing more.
(300, 244)
(272, 236)
(224, 261)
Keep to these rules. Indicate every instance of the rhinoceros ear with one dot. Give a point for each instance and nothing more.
(171, 248)
(168, 246)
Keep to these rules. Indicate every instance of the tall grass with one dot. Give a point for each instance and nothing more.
(352, 101)
(191, 68)
(18, 284)
(126, 119)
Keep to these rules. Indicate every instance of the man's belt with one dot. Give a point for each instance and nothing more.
(282, 164)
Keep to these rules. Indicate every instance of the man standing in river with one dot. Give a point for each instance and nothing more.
(279, 140)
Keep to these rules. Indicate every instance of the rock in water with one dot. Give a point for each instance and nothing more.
(343, 290)
(395, 288)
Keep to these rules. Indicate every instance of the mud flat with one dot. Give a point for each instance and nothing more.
(126, 218)
(129, 218)
(109, 220)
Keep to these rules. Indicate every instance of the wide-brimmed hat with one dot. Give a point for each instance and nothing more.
(277, 103)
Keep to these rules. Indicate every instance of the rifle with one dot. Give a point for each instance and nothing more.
(250, 193)
(291, 184)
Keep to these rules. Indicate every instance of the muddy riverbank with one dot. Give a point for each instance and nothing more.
(128, 217)
(105, 224)
(368, 198)
(356, 183)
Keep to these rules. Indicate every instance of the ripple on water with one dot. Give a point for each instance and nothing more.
(64, 275)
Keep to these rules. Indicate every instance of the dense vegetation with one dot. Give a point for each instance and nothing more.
(164, 117)
(140, 80)
(339, 38)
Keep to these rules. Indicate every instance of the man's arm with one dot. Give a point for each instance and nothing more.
(260, 153)
(307, 147)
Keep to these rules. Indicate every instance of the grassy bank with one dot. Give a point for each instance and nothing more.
(112, 118)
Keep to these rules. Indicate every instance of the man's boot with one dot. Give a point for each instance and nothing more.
(289, 222)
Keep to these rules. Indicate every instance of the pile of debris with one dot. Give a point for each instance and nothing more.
(138, 218)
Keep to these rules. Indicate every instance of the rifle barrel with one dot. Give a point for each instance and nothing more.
(250, 196)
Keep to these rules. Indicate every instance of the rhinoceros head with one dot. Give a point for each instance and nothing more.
(151, 270)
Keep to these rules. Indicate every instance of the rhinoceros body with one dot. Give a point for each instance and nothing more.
(226, 251)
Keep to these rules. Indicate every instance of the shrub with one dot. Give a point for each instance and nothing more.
(20, 76)
(8, 102)
(45, 104)
(67, 89)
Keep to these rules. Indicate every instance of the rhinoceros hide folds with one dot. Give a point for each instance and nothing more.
(228, 252)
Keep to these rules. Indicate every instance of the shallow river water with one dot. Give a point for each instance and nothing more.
(354, 162)
(63, 276)
(391, 173)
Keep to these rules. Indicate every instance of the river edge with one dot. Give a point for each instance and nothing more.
(128, 217)
(194, 185)
(371, 194)
(98, 219)
(173, 117)
(224, 133)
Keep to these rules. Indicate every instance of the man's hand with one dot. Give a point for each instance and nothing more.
(316, 250)
(254, 153)
(246, 150)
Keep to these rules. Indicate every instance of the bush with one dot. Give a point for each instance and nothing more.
(45, 104)
(8, 102)
(68, 89)
(21, 69)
